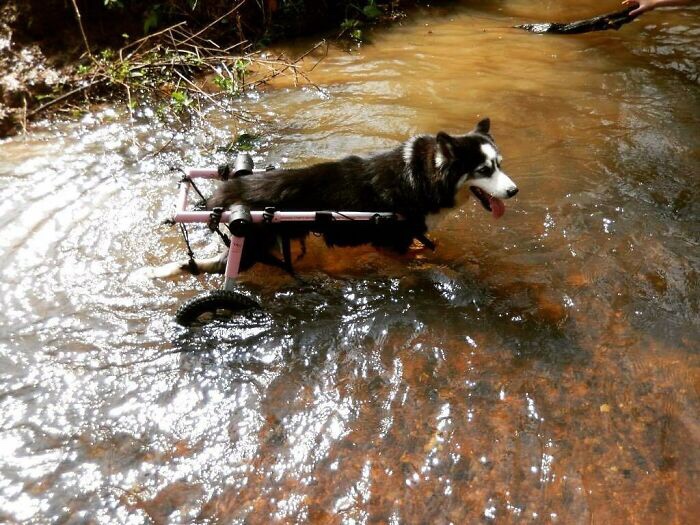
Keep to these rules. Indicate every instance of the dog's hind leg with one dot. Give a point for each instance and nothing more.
(283, 264)
(216, 264)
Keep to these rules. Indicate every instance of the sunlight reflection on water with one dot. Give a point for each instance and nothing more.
(538, 368)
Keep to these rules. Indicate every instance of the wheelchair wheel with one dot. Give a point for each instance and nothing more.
(219, 304)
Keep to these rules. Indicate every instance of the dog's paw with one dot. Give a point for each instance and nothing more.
(160, 272)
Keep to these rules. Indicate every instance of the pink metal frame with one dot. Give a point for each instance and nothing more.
(183, 215)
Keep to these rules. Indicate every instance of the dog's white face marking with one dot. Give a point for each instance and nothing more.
(489, 152)
(498, 184)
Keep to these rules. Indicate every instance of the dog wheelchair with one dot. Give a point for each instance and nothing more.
(238, 220)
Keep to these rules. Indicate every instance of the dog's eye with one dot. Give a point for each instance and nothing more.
(484, 170)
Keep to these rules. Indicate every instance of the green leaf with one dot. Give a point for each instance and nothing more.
(371, 11)
(241, 65)
(225, 84)
(349, 23)
(180, 100)
(246, 141)
(179, 96)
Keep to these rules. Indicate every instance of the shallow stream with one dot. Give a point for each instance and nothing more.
(541, 368)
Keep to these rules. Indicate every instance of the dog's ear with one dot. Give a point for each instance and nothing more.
(445, 150)
(483, 126)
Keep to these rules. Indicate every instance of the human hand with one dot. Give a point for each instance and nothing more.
(642, 6)
(647, 5)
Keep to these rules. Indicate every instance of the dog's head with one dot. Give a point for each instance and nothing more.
(473, 160)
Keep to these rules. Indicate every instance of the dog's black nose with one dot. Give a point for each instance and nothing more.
(512, 191)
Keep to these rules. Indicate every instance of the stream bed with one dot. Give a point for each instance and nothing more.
(540, 368)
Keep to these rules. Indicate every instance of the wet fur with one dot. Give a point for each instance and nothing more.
(417, 179)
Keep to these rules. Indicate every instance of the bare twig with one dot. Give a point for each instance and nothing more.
(161, 149)
(161, 63)
(292, 64)
(205, 28)
(145, 39)
(199, 90)
(24, 115)
(65, 96)
(82, 30)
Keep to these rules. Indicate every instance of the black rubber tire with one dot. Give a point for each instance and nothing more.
(210, 303)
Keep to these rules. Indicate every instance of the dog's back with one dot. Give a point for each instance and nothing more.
(353, 183)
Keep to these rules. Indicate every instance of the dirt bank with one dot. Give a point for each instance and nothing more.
(26, 75)
(43, 44)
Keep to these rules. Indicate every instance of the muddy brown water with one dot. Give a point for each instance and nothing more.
(541, 368)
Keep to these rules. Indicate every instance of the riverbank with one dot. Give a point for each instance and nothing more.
(60, 56)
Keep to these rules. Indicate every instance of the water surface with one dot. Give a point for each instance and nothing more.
(541, 368)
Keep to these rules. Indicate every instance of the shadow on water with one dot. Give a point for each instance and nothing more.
(543, 367)
(303, 317)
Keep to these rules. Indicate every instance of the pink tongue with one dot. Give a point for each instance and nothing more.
(497, 207)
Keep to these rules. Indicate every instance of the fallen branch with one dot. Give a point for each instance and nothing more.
(205, 28)
(292, 64)
(598, 23)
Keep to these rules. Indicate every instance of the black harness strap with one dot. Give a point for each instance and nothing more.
(191, 263)
(185, 178)
(213, 224)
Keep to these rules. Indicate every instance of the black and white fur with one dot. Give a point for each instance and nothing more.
(419, 179)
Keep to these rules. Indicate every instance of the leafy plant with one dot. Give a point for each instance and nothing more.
(353, 26)
(225, 84)
(349, 24)
(180, 100)
(234, 82)
(107, 54)
(241, 66)
(83, 69)
(371, 10)
(246, 141)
